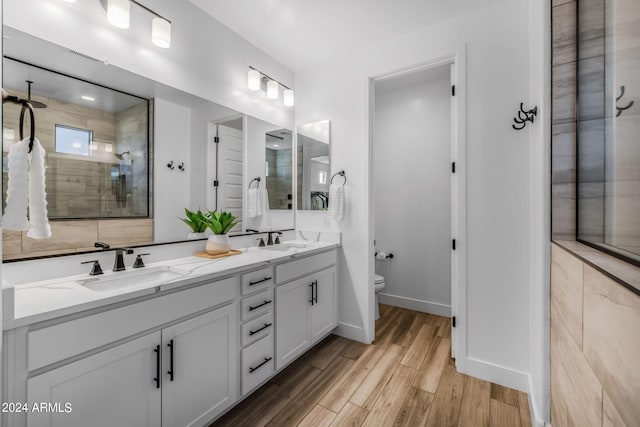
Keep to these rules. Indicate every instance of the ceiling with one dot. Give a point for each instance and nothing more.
(412, 79)
(301, 33)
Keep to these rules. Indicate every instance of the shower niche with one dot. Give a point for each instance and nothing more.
(96, 139)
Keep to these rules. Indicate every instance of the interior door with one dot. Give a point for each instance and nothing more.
(199, 368)
(115, 387)
(229, 166)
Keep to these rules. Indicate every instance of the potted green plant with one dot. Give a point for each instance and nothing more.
(220, 223)
(197, 222)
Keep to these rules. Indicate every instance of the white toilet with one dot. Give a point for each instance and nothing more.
(379, 285)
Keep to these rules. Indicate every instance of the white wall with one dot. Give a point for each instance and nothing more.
(172, 141)
(498, 246)
(412, 195)
(206, 58)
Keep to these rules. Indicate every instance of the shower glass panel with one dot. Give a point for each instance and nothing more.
(96, 140)
(608, 127)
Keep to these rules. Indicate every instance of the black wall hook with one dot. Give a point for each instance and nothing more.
(621, 109)
(181, 166)
(170, 165)
(524, 117)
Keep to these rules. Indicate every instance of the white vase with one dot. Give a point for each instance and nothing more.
(196, 236)
(218, 244)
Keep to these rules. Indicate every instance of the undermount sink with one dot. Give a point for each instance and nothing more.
(284, 247)
(133, 278)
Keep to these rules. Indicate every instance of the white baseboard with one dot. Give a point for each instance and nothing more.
(352, 332)
(497, 374)
(415, 304)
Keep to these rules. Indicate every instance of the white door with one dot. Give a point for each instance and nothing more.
(116, 387)
(324, 315)
(229, 166)
(199, 368)
(292, 320)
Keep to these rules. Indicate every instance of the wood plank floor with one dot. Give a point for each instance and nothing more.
(406, 378)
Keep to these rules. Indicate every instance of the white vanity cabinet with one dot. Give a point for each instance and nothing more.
(137, 371)
(115, 387)
(306, 308)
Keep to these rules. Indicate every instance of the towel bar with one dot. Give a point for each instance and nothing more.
(342, 174)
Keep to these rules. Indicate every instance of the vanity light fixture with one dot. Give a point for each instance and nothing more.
(119, 12)
(257, 80)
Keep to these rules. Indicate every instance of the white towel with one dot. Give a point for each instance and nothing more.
(37, 194)
(252, 203)
(263, 201)
(336, 201)
(26, 187)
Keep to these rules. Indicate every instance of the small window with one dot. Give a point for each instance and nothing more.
(73, 140)
(322, 178)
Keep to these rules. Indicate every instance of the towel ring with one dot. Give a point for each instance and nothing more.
(342, 174)
(257, 180)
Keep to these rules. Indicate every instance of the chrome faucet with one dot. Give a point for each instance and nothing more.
(118, 265)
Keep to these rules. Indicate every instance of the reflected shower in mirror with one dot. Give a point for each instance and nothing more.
(313, 172)
(96, 140)
(278, 169)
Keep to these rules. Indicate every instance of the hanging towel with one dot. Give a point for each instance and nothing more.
(37, 194)
(336, 201)
(263, 203)
(26, 187)
(252, 203)
(15, 213)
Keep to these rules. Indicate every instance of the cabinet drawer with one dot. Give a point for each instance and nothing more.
(58, 342)
(257, 280)
(304, 266)
(255, 329)
(257, 304)
(257, 363)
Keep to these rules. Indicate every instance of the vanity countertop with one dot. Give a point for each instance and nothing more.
(50, 299)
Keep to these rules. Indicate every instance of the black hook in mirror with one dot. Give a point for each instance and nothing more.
(170, 165)
(626, 107)
(181, 166)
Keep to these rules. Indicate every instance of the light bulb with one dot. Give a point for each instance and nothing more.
(287, 97)
(118, 12)
(272, 89)
(161, 32)
(253, 80)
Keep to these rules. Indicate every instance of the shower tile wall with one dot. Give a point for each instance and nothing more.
(279, 181)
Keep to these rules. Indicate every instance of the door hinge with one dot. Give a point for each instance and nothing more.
(453, 90)
(453, 244)
(453, 167)
(453, 321)
(216, 139)
(216, 183)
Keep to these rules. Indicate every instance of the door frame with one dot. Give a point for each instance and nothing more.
(457, 60)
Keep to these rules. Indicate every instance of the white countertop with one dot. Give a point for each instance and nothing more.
(49, 299)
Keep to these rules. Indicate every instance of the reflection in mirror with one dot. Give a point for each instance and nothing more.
(608, 128)
(96, 140)
(269, 157)
(313, 143)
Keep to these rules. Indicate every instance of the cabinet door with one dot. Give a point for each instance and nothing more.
(292, 320)
(324, 315)
(115, 387)
(199, 368)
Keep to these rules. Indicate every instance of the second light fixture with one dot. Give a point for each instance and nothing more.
(119, 12)
(256, 80)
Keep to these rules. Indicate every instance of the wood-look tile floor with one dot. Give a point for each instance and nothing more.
(406, 378)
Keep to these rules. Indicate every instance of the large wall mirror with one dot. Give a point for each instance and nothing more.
(124, 162)
(608, 126)
(313, 165)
